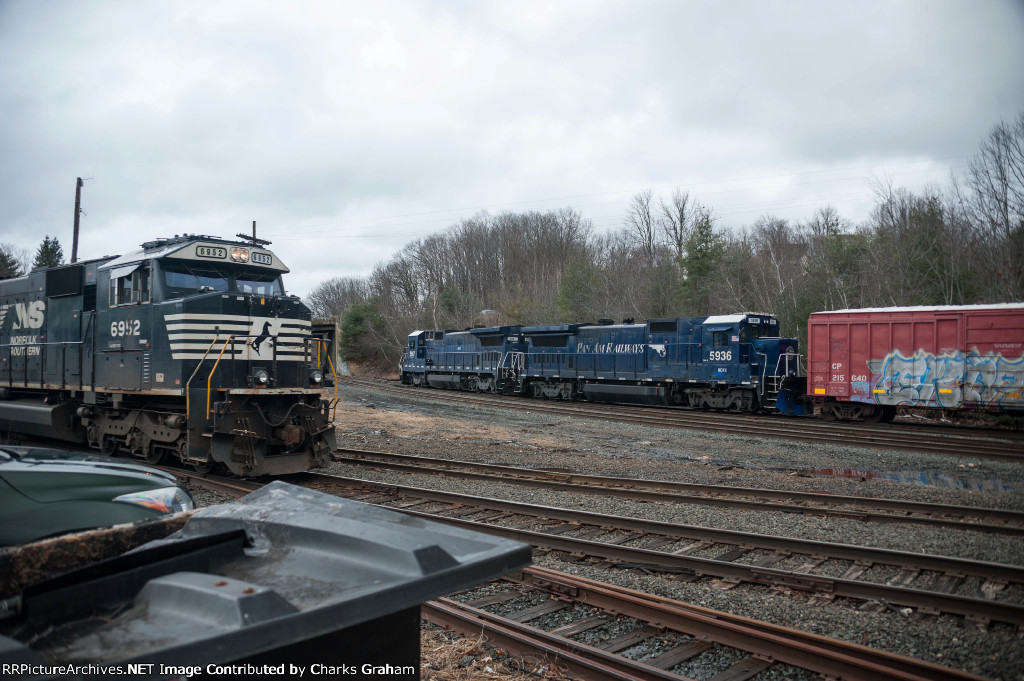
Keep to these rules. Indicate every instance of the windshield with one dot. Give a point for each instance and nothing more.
(764, 331)
(262, 283)
(182, 279)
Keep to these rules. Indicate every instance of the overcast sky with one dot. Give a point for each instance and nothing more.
(347, 129)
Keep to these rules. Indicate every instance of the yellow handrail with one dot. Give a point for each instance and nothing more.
(209, 381)
(189, 381)
(334, 409)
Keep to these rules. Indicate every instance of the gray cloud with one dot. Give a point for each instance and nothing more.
(346, 129)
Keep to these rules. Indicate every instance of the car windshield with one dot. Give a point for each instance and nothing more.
(183, 279)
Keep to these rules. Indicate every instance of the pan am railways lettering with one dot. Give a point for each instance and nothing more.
(616, 348)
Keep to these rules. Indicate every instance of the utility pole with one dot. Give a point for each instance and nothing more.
(78, 209)
(252, 239)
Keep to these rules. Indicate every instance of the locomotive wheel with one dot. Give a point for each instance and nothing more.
(108, 445)
(154, 455)
(203, 467)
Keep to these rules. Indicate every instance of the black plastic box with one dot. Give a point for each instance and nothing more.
(285, 576)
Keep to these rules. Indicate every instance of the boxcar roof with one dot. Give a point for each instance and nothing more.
(928, 308)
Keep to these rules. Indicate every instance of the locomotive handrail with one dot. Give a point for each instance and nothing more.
(209, 379)
(189, 382)
(334, 407)
(42, 360)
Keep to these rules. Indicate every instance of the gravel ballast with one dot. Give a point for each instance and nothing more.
(520, 435)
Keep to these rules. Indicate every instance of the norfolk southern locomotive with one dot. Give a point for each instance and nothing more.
(725, 362)
(187, 348)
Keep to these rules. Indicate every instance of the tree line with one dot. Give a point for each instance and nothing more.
(957, 244)
(14, 261)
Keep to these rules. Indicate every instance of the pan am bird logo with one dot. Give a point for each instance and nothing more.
(659, 349)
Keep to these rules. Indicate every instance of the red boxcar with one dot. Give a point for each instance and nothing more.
(861, 364)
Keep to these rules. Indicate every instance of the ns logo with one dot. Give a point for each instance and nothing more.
(262, 337)
(26, 315)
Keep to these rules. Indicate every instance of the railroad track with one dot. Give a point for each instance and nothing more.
(922, 583)
(681, 632)
(739, 646)
(1004, 446)
(859, 508)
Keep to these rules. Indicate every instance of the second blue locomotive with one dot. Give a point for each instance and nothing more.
(727, 362)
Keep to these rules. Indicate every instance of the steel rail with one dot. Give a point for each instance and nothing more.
(960, 445)
(973, 608)
(579, 661)
(683, 492)
(904, 559)
(698, 417)
(827, 656)
(232, 487)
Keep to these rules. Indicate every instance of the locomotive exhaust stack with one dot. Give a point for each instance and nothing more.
(188, 348)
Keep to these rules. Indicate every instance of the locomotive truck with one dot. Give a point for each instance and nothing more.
(188, 348)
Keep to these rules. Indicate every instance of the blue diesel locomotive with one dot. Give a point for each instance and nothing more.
(725, 362)
(187, 348)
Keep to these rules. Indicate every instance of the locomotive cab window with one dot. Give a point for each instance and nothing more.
(129, 285)
(260, 283)
(720, 339)
(182, 280)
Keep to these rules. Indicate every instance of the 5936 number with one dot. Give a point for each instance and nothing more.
(721, 356)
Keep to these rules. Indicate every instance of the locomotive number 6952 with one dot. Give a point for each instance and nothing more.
(128, 327)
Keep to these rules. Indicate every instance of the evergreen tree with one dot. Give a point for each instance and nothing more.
(10, 263)
(49, 254)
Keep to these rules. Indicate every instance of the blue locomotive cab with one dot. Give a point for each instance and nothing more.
(745, 362)
(414, 362)
(481, 359)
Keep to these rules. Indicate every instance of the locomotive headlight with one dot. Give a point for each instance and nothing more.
(316, 376)
(240, 255)
(260, 377)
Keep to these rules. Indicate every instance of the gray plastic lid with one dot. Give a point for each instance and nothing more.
(308, 564)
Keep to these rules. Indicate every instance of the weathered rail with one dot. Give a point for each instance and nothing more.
(960, 443)
(867, 509)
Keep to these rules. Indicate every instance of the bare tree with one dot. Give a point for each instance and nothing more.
(641, 222)
(677, 221)
(333, 297)
(996, 178)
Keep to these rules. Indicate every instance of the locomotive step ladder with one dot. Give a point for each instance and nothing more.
(510, 373)
(787, 365)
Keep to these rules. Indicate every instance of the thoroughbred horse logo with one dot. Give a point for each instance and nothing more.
(258, 340)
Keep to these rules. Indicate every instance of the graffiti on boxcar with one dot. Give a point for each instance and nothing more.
(947, 380)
